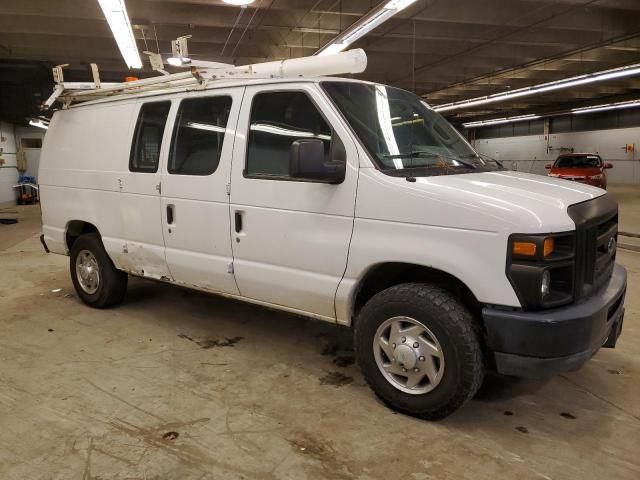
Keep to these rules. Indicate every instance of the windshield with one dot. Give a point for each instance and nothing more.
(402, 133)
(578, 161)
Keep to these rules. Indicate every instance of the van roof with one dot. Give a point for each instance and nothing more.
(212, 85)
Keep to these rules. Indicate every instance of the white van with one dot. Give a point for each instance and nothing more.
(345, 201)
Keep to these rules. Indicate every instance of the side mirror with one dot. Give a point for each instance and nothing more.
(307, 161)
(548, 166)
(608, 165)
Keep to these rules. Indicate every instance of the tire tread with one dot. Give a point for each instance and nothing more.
(460, 323)
(114, 281)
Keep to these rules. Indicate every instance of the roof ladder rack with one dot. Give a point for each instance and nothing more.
(200, 74)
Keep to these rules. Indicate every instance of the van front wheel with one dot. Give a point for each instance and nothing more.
(419, 349)
(96, 280)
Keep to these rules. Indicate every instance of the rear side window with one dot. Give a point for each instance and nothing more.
(198, 135)
(147, 138)
(277, 120)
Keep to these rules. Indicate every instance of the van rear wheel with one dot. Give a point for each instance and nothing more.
(96, 280)
(419, 349)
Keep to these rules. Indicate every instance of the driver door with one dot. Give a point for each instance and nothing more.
(290, 237)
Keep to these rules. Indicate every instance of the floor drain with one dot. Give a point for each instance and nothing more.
(170, 435)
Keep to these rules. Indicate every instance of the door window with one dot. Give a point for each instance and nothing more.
(277, 120)
(147, 138)
(198, 135)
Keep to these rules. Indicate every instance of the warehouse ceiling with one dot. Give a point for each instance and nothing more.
(445, 50)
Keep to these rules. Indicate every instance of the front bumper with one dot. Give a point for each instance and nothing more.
(545, 343)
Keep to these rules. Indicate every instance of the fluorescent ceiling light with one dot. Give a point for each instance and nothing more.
(178, 62)
(608, 106)
(543, 87)
(398, 5)
(333, 48)
(240, 3)
(498, 121)
(573, 111)
(38, 122)
(115, 12)
(360, 28)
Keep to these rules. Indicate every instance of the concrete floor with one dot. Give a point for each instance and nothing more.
(176, 384)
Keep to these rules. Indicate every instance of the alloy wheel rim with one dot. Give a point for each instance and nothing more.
(408, 355)
(88, 272)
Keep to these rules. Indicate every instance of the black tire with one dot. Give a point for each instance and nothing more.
(454, 328)
(113, 282)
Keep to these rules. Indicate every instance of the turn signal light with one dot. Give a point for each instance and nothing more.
(525, 248)
(549, 245)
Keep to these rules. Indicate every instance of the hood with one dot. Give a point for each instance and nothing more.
(576, 171)
(489, 201)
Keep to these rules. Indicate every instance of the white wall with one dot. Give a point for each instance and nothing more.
(530, 154)
(8, 172)
(10, 141)
(32, 154)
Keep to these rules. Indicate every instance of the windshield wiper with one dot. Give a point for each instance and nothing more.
(482, 156)
(426, 153)
(412, 154)
(473, 155)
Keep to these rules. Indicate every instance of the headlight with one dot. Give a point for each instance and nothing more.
(541, 269)
(553, 175)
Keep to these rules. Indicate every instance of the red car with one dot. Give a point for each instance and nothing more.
(581, 167)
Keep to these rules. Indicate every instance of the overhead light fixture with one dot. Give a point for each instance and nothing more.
(333, 48)
(115, 12)
(38, 122)
(360, 28)
(398, 5)
(622, 48)
(239, 3)
(573, 111)
(176, 62)
(498, 121)
(607, 106)
(543, 87)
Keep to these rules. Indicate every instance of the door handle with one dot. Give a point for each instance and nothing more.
(170, 214)
(238, 221)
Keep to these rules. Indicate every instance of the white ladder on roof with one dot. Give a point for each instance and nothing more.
(352, 61)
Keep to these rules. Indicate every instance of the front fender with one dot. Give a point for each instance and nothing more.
(476, 258)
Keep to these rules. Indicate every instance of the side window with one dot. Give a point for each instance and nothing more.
(198, 135)
(147, 138)
(277, 120)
